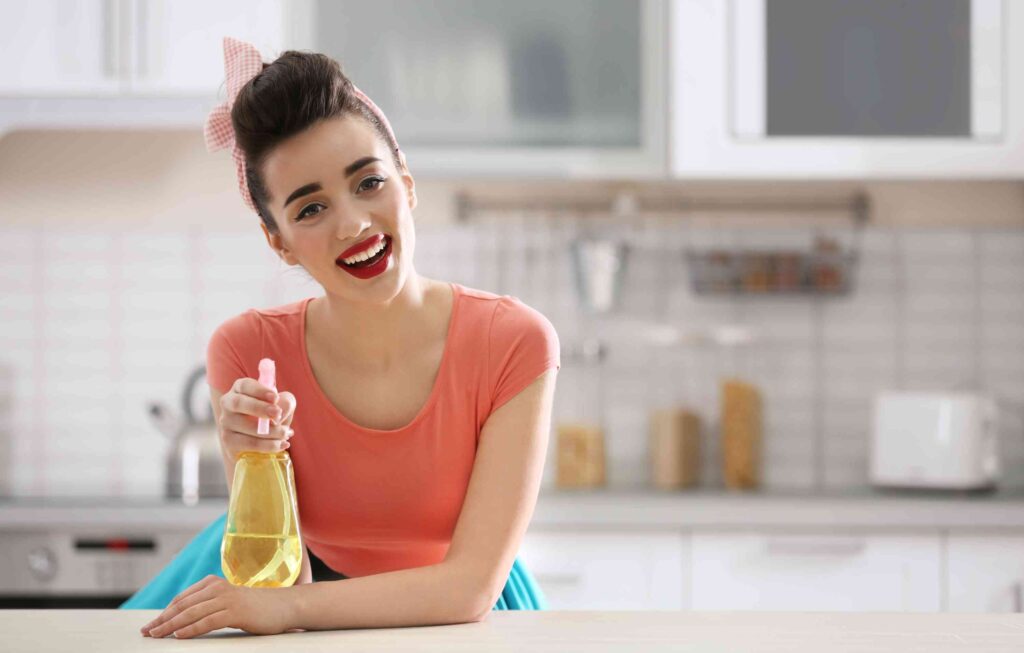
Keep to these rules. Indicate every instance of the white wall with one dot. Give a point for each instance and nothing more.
(120, 252)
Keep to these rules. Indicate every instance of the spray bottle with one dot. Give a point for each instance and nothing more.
(261, 546)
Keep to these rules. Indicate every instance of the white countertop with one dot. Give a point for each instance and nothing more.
(716, 509)
(611, 509)
(112, 631)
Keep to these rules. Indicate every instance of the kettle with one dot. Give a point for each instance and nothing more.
(195, 468)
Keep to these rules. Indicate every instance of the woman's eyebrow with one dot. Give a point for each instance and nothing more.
(315, 186)
(352, 167)
(303, 190)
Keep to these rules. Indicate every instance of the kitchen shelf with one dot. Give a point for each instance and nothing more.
(772, 272)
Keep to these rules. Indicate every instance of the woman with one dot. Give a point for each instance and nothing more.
(416, 411)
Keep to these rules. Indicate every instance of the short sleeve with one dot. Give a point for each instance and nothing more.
(225, 353)
(523, 345)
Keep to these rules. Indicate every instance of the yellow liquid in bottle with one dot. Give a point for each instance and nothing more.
(262, 560)
(262, 546)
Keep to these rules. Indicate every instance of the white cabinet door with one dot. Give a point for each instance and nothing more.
(179, 42)
(721, 103)
(607, 571)
(815, 571)
(985, 573)
(52, 47)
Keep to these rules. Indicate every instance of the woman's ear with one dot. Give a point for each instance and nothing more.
(410, 183)
(277, 244)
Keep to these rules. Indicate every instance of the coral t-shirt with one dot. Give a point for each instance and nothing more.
(372, 500)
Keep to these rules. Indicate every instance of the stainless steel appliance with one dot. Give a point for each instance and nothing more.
(195, 468)
(90, 553)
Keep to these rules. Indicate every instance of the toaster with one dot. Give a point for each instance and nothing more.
(935, 440)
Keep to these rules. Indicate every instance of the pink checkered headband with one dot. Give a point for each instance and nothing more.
(242, 62)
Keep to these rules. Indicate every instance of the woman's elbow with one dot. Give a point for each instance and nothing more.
(478, 598)
(477, 610)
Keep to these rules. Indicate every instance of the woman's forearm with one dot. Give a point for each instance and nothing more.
(436, 594)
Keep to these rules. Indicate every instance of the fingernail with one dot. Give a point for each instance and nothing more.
(271, 397)
(289, 434)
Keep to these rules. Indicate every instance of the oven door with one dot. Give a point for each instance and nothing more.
(81, 569)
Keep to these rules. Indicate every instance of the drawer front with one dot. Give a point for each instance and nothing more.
(816, 571)
(985, 573)
(607, 571)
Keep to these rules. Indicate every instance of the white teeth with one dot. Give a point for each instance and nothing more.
(362, 256)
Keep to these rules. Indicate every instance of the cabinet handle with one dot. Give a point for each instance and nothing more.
(783, 546)
(559, 579)
(141, 40)
(1018, 597)
(110, 38)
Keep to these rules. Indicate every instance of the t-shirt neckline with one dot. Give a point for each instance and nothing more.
(446, 354)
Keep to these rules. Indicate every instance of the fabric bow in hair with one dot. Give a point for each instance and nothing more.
(242, 62)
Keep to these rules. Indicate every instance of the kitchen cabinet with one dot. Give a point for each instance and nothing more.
(835, 89)
(180, 46)
(985, 573)
(148, 47)
(487, 87)
(54, 46)
(480, 88)
(114, 63)
(595, 570)
(815, 570)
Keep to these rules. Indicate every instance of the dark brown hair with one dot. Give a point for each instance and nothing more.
(296, 91)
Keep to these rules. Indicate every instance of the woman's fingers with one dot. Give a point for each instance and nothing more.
(236, 442)
(188, 617)
(247, 425)
(254, 388)
(180, 603)
(177, 600)
(207, 624)
(236, 402)
(286, 401)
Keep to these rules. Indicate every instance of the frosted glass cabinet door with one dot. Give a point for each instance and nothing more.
(59, 47)
(837, 89)
(867, 69)
(478, 86)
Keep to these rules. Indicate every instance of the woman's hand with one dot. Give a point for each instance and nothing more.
(247, 401)
(214, 603)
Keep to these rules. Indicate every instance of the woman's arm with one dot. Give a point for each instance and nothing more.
(465, 585)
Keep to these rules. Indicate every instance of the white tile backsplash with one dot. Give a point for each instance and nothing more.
(95, 325)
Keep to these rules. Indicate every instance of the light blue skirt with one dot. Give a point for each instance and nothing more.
(201, 558)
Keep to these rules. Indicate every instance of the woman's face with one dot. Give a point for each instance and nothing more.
(334, 187)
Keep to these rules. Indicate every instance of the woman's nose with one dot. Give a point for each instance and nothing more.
(351, 224)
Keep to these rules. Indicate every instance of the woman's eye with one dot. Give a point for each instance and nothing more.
(306, 212)
(378, 180)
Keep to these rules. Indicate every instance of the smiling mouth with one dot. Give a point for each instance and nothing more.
(370, 261)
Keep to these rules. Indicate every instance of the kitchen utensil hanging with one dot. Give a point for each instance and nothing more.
(600, 253)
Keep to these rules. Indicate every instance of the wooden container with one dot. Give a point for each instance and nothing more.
(674, 448)
(581, 457)
(741, 424)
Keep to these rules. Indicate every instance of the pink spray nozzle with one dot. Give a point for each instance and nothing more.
(268, 372)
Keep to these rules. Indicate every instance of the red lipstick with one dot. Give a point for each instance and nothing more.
(358, 247)
(370, 268)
